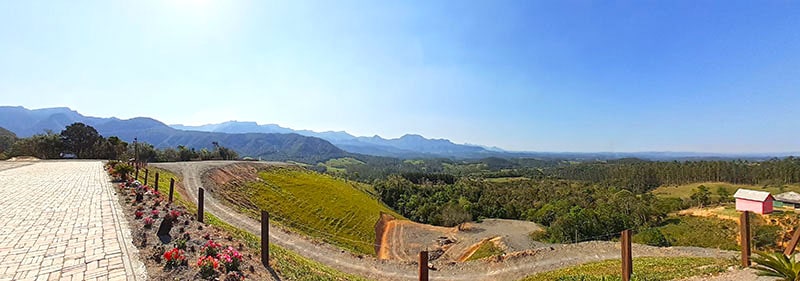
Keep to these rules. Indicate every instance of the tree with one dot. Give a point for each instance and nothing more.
(7, 138)
(184, 153)
(80, 139)
(452, 215)
(724, 194)
(42, 146)
(700, 196)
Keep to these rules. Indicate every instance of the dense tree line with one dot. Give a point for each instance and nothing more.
(149, 153)
(569, 208)
(75, 141)
(643, 176)
(79, 140)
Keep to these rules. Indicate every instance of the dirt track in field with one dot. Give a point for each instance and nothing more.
(512, 266)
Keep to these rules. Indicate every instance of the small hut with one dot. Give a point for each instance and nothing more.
(789, 199)
(759, 202)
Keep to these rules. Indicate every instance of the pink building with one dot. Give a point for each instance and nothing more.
(759, 202)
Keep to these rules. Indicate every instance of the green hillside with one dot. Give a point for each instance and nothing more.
(317, 205)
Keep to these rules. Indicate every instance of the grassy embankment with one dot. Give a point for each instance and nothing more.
(701, 232)
(337, 212)
(287, 264)
(649, 268)
(487, 249)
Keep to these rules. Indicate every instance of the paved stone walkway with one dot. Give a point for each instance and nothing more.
(59, 220)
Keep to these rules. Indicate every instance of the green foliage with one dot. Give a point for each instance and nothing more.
(777, 265)
(650, 269)
(316, 205)
(701, 196)
(487, 249)
(123, 171)
(452, 214)
(7, 139)
(701, 232)
(566, 207)
(652, 237)
(82, 140)
(42, 146)
(647, 175)
(724, 194)
(766, 236)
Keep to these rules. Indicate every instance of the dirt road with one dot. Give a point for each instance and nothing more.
(512, 267)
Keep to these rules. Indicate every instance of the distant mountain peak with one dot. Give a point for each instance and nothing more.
(412, 136)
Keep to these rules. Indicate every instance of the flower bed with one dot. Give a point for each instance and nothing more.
(167, 257)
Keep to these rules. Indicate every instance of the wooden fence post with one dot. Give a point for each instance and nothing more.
(156, 181)
(200, 205)
(171, 188)
(627, 259)
(265, 238)
(146, 174)
(744, 229)
(423, 266)
(792, 244)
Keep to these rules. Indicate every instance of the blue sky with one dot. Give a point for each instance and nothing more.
(703, 76)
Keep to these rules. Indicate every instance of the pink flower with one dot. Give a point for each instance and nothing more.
(148, 222)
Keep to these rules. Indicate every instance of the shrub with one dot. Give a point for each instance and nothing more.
(123, 171)
(148, 222)
(211, 248)
(208, 266)
(230, 258)
(154, 213)
(174, 258)
(174, 214)
(180, 244)
(138, 214)
(652, 237)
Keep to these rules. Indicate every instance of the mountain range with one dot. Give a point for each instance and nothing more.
(248, 138)
(281, 147)
(273, 142)
(407, 146)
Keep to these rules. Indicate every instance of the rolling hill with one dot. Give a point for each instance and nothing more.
(338, 212)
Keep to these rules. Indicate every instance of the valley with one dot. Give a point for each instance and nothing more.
(400, 239)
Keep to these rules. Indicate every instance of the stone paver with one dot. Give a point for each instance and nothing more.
(59, 220)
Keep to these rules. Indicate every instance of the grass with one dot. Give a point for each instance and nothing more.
(647, 268)
(338, 166)
(701, 232)
(317, 205)
(686, 190)
(729, 210)
(487, 249)
(343, 162)
(287, 264)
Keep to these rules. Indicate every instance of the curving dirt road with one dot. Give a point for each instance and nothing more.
(512, 267)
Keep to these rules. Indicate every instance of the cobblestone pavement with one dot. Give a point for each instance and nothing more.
(59, 220)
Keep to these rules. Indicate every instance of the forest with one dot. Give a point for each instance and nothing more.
(576, 201)
(82, 141)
